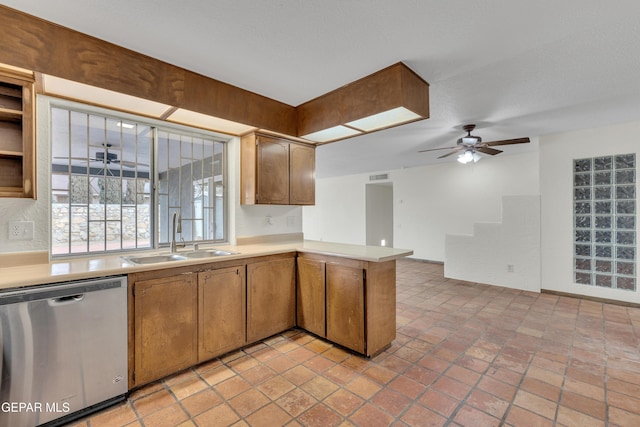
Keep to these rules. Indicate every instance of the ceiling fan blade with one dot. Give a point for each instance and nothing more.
(508, 142)
(78, 158)
(487, 150)
(454, 151)
(129, 164)
(436, 149)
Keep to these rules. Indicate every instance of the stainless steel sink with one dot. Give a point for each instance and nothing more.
(153, 259)
(207, 253)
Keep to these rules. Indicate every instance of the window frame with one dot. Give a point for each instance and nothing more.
(192, 132)
(155, 125)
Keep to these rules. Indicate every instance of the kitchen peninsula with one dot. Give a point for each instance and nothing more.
(214, 305)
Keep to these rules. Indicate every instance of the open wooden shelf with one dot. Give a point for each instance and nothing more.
(17, 134)
(7, 153)
(8, 114)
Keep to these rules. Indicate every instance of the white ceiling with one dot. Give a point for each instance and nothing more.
(514, 67)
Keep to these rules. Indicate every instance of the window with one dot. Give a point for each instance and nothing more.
(109, 194)
(604, 193)
(190, 183)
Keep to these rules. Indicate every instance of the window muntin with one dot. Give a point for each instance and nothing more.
(106, 188)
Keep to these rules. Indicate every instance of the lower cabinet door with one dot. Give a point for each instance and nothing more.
(345, 306)
(222, 311)
(166, 314)
(271, 297)
(311, 296)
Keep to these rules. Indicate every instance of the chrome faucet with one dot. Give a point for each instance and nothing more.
(176, 228)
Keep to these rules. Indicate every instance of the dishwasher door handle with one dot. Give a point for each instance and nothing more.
(70, 299)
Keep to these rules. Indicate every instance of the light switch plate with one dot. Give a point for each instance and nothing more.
(20, 230)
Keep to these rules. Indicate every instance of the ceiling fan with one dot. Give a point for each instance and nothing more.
(105, 157)
(469, 145)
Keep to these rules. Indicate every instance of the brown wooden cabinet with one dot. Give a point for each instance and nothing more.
(271, 296)
(165, 331)
(17, 134)
(182, 316)
(185, 315)
(345, 305)
(272, 171)
(310, 313)
(221, 311)
(276, 171)
(359, 309)
(302, 174)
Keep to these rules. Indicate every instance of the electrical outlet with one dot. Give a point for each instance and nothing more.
(20, 230)
(509, 268)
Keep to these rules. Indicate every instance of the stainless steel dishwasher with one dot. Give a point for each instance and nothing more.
(63, 350)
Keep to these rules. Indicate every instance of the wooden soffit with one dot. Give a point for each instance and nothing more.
(35, 44)
(50, 49)
(359, 107)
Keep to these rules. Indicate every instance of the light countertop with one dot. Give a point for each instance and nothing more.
(110, 265)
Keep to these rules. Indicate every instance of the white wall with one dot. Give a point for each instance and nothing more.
(505, 253)
(266, 220)
(557, 153)
(340, 211)
(255, 220)
(429, 201)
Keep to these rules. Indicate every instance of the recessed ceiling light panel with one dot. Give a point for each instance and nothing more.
(385, 119)
(331, 134)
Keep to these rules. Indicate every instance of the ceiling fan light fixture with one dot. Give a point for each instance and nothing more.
(468, 146)
(470, 139)
(469, 156)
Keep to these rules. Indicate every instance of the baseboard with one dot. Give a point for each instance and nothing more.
(590, 298)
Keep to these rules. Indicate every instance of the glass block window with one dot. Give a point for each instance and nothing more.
(604, 221)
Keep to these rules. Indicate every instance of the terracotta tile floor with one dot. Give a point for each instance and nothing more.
(465, 355)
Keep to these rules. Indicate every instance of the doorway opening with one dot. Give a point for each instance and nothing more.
(379, 214)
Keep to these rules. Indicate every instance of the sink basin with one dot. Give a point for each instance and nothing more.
(152, 259)
(207, 253)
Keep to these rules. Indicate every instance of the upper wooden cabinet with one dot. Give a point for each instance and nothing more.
(17, 134)
(302, 174)
(276, 171)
